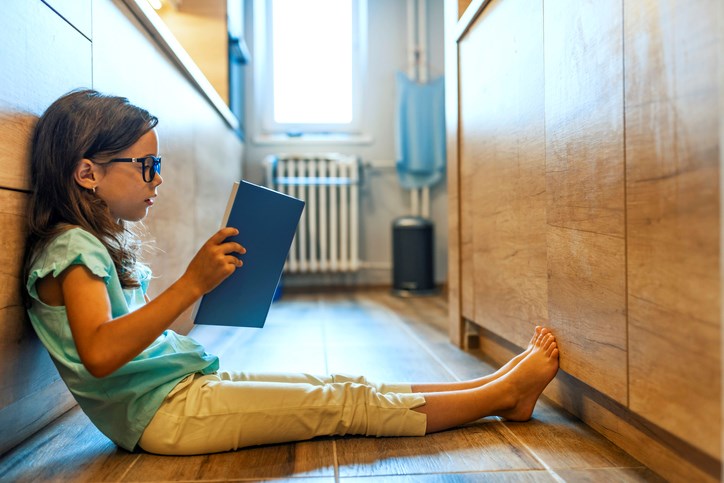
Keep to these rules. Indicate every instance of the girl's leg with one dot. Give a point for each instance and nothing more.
(481, 381)
(384, 388)
(512, 396)
(213, 413)
(314, 380)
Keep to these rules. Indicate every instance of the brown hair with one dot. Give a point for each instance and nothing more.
(81, 124)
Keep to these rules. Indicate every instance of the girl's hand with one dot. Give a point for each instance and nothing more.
(214, 262)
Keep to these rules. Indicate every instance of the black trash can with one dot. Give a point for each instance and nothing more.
(413, 257)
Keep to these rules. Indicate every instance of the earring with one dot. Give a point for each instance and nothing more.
(93, 190)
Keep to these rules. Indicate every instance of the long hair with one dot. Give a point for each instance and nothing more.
(81, 124)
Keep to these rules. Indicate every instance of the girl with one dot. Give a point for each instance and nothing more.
(95, 170)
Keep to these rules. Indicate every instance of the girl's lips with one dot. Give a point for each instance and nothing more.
(149, 201)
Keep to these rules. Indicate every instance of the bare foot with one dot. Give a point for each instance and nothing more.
(530, 377)
(508, 366)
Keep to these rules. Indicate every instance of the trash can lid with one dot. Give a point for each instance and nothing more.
(411, 222)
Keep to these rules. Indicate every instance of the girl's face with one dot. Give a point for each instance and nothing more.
(121, 185)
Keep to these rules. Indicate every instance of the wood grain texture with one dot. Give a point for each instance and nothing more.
(468, 120)
(70, 449)
(484, 446)
(42, 57)
(552, 428)
(672, 182)
(453, 174)
(502, 157)
(585, 190)
(31, 393)
(307, 459)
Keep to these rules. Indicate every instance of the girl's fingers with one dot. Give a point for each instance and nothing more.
(223, 234)
(230, 247)
(233, 260)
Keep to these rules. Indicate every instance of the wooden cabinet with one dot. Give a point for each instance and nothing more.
(673, 218)
(584, 162)
(502, 146)
(585, 185)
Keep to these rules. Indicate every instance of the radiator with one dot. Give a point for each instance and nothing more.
(327, 236)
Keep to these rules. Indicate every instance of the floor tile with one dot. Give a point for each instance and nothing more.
(563, 441)
(306, 459)
(479, 447)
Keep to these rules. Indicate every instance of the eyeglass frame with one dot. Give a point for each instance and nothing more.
(154, 169)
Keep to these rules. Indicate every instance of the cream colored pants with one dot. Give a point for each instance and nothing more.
(226, 411)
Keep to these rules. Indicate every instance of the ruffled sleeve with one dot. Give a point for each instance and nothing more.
(73, 247)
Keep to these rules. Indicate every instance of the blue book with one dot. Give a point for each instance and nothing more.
(267, 221)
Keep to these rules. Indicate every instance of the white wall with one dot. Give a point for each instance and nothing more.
(381, 200)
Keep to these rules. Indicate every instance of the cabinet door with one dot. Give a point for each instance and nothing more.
(585, 190)
(673, 219)
(502, 151)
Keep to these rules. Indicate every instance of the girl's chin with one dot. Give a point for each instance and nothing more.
(132, 217)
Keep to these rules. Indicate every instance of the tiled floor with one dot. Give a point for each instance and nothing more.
(372, 333)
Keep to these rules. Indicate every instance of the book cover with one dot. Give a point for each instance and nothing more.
(267, 221)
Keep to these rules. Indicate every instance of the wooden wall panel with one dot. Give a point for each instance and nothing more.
(502, 152)
(672, 182)
(585, 190)
(31, 393)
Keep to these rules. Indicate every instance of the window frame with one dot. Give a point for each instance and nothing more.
(263, 76)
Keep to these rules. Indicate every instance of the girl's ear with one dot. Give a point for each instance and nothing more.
(85, 174)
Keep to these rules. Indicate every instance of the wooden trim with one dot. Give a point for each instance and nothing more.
(452, 121)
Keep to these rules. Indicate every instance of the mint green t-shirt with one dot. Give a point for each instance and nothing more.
(121, 404)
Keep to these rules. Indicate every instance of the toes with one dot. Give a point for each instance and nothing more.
(551, 347)
(536, 335)
(554, 353)
(545, 341)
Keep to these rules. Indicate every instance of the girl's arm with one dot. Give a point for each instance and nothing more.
(105, 344)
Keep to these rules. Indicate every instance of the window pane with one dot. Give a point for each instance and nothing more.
(312, 61)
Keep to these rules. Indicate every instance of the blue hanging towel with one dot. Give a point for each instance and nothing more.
(420, 132)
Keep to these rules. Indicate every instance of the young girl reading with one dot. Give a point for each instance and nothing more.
(95, 171)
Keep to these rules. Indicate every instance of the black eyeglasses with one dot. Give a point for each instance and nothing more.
(151, 165)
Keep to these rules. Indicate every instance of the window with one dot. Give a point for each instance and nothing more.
(308, 74)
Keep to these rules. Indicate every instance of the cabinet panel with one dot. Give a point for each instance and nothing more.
(672, 183)
(503, 151)
(585, 190)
